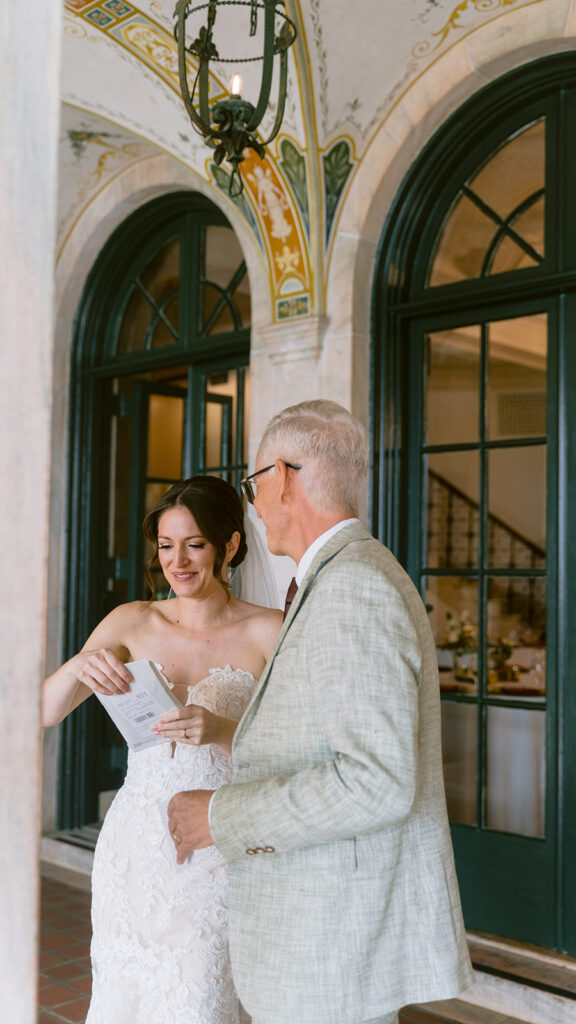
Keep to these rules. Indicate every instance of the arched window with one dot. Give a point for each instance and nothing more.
(473, 366)
(159, 392)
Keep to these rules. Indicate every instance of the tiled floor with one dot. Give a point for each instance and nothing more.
(64, 966)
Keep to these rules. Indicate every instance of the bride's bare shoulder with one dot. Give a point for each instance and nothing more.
(257, 613)
(130, 614)
(263, 624)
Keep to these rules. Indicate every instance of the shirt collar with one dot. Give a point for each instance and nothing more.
(308, 556)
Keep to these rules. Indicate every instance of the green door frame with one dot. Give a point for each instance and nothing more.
(94, 365)
(403, 309)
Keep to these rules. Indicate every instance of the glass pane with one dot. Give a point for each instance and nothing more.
(515, 770)
(504, 194)
(517, 507)
(221, 411)
(135, 324)
(155, 491)
(223, 258)
(216, 313)
(163, 335)
(451, 385)
(156, 288)
(463, 244)
(514, 173)
(165, 436)
(509, 254)
(460, 759)
(452, 528)
(517, 374)
(161, 277)
(223, 255)
(516, 631)
(452, 604)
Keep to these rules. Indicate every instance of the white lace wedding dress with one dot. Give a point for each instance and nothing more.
(160, 934)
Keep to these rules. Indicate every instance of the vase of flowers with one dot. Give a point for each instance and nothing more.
(499, 669)
(462, 639)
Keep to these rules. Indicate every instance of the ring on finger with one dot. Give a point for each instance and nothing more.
(177, 839)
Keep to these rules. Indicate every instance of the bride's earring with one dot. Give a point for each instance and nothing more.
(228, 573)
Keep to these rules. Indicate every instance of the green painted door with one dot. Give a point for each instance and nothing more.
(159, 393)
(474, 416)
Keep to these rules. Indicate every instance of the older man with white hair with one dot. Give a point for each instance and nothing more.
(344, 903)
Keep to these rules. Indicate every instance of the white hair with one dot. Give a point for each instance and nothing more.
(332, 447)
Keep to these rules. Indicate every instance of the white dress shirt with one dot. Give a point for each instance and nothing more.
(308, 556)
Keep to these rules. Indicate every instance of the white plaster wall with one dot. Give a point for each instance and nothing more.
(28, 142)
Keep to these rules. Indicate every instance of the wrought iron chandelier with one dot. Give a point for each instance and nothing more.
(230, 125)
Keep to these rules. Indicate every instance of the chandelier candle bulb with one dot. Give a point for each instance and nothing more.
(236, 85)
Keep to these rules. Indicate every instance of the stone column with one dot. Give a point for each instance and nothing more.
(29, 105)
(284, 369)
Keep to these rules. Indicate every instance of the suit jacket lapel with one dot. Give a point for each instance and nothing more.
(326, 553)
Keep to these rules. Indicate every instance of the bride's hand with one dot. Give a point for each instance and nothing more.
(101, 671)
(196, 725)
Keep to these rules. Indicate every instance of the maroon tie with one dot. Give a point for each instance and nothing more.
(290, 596)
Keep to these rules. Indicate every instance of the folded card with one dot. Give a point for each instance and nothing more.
(135, 712)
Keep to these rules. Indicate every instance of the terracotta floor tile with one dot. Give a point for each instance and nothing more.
(44, 983)
(53, 940)
(54, 995)
(69, 971)
(83, 985)
(81, 931)
(47, 960)
(75, 1012)
(72, 949)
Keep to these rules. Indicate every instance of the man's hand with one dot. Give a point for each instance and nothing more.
(188, 821)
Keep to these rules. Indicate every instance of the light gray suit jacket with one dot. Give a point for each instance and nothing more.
(349, 907)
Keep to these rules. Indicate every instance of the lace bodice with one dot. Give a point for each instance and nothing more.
(226, 692)
(160, 949)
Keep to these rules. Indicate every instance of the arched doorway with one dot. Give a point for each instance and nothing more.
(474, 368)
(159, 392)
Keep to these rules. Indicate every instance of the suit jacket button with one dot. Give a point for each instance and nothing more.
(268, 849)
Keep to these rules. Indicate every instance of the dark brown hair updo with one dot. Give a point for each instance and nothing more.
(217, 509)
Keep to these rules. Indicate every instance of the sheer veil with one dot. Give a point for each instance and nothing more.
(255, 579)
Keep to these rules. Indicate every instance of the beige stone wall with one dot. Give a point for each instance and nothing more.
(29, 82)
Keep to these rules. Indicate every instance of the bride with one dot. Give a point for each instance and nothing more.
(159, 946)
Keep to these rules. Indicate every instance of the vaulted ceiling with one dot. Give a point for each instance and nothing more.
(352, 64)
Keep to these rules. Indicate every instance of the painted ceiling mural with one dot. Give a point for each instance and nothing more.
(122, 105)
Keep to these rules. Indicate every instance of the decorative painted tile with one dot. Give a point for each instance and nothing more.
(117, 8)
(77, 5)
(297, 305)
(99, 17)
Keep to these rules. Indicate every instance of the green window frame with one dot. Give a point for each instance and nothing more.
(409, 305)
(164, 317)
